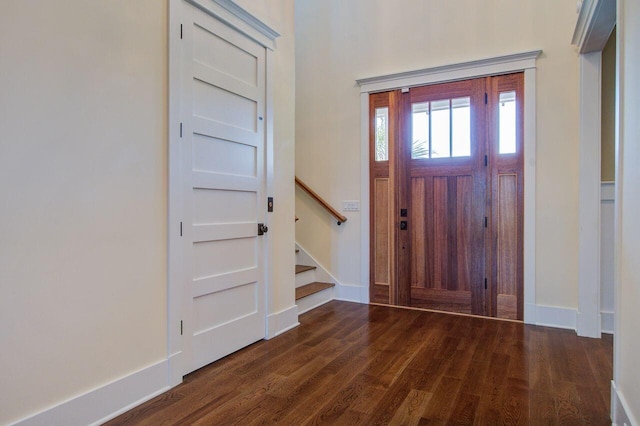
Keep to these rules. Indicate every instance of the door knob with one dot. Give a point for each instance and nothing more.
(262, 229)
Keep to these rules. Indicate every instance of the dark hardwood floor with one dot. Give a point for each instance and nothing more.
(355, 364)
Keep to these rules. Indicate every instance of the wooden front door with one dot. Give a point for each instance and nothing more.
(447, 197)
(446, 180)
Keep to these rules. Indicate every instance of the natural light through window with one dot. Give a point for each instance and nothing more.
(507, 119)
(441, 129)
(382, 134)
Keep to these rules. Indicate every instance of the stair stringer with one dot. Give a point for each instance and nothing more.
(347, 293)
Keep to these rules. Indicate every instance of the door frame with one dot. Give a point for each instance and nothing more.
(240, 20)
(596, 20)
(519, 62)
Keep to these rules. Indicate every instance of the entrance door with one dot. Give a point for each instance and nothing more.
(222, 105)
(447, 197)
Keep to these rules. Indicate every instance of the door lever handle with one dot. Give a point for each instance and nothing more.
(262, 229)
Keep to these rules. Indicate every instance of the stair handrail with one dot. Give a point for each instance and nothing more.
(335, 213)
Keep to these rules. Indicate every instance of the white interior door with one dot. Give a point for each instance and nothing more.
(222, 155)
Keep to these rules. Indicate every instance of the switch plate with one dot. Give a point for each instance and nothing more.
(351, 205)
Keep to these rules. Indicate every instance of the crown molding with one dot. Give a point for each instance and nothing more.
(460, 71)
(596, 20)
(238, 18)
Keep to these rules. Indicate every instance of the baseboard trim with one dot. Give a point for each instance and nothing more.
(620, 413)
(349, 293)
(606, 319)
(553, 316)
(105, 402)
(281, 322)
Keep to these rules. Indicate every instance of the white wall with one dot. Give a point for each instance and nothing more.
(338, 42)
(83, 187)
(627, 343)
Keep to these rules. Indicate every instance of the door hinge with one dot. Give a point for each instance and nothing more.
(485, 221)
(486, 160)
(180, 31)
(485, 283)
(269, 204)
(180, 129)
(486, 98)
(181, 229)
(181, 326)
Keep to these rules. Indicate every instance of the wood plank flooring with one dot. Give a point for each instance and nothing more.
(353, 364)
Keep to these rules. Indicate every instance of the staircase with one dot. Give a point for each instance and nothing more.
(311, 293)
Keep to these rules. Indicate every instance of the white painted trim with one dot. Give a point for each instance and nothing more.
(105, 402)
(365, 216)
(620, 410)
(529, 243)
(589, 196)
(607, 196)
(512, 63)
(350, 293)
(606, 322)
(281, 322)
(461, 71)
(174, 201)
(239, 19)
(554, 316)
(619, 165)
(269, 191)
(595, 23)
(608, 191)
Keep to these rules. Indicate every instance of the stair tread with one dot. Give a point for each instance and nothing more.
(304, 268)
(312, 288)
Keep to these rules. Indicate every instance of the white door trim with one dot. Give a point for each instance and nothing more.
(242, 21)
(525, 61)
(588, 317)
(596, 20)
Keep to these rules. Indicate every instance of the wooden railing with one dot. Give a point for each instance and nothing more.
(335, 213)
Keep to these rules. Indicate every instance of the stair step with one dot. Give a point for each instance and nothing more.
(309, 289)
(303, 268)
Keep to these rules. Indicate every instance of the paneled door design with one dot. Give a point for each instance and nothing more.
(223, 104)
(446, 197)
(446, 178)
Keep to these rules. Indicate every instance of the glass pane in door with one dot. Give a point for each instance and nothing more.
(507, 123)
(440, 129)
(420, 130)
(382, 134)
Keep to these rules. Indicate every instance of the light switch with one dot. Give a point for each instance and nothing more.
(351, 205)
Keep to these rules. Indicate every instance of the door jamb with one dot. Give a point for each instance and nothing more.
(596, 20)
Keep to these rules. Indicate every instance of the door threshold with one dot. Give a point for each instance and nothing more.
(446, 312)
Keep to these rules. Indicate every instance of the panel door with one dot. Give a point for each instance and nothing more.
(445, 179)
(222, 105)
